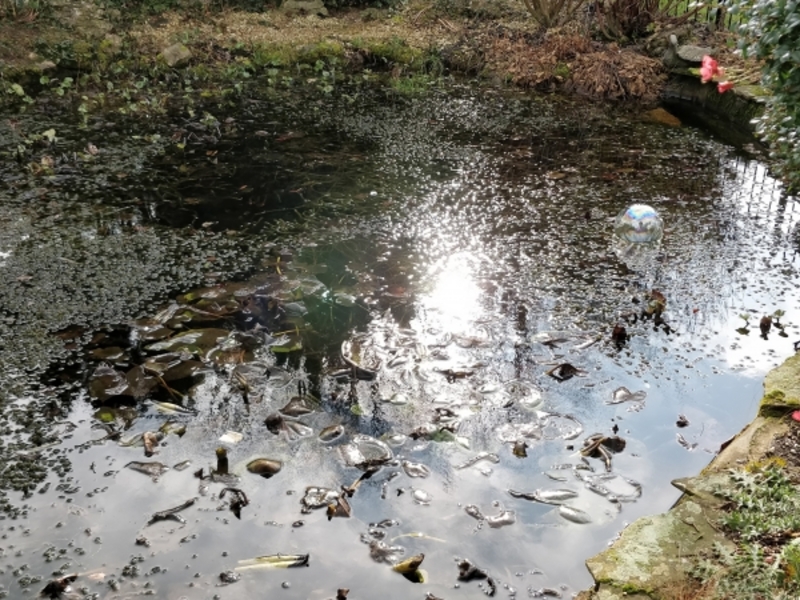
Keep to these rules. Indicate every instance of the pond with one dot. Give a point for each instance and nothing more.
(410, 298)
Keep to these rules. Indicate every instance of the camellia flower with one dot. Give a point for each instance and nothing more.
(724, 86)
(711, 71)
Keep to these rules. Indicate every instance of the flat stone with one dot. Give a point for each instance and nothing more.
(177, 55)
(653, 552)
(659, 115)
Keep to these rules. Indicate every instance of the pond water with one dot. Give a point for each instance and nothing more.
(410, 275)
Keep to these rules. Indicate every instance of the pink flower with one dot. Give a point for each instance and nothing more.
(708, 69)
(724, 86)
(796, 415)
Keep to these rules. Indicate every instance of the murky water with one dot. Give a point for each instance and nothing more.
(457, 248)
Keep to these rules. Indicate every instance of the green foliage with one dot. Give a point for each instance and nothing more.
(771, 32)
(25, 10)
(765, 511)
(765, 503)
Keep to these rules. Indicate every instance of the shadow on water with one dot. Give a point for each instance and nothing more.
(417, 296)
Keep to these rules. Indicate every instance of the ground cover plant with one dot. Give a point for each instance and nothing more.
(763, 519)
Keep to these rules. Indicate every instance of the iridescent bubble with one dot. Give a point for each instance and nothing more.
(639, 224)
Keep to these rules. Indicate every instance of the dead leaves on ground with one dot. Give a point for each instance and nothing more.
(576, 62)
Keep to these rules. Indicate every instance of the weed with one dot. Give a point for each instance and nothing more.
(763, 520)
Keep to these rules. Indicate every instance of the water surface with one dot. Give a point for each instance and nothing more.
(465, 241)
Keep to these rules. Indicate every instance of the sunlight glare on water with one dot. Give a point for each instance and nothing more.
(455, 295)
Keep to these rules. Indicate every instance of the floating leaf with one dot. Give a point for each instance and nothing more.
(274, 561)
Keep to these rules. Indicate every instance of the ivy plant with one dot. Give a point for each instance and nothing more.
(771, 32)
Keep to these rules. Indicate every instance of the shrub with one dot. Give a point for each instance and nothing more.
(625, 19)
(771, 32)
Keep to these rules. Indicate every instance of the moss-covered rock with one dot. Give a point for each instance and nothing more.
(782, 389)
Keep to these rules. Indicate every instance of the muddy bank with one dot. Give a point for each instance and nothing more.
(658, 557)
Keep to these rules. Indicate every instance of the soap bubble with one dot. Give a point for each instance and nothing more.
(639, 224)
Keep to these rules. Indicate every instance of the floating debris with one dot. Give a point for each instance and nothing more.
(470, 572)
(351, 489)
(565, 371)
(619, 335)
(318, 497)
(505, 517)
(559, 426)
(293, 430)
(421, 497)
(351, 351)
(151, 441)
(297, 406)
(682, 421)
(238, 502)
(365, 452)
(266, 467)
(417, 535)
(683, 442)
(184, 464)
(490, 456)
(409, 565)
(601, 446)
(172, 513)
(169, 427)
(154, 470)
(656, 304)
(452, 375)
(274, 561)
(524, 393)
(170, 408)
(228, 577)
(380, 551)
(331, 433)
(573, 514)
(473, 511)
(520, 449)
(340, 508)
(556, 497)
(623, 394)
(415, 469)
(57, 587)
(765, 324)
(231, 437)
(222, 461)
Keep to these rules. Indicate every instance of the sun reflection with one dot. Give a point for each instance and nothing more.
(454, 298)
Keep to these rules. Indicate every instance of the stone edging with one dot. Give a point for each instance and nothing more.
(653, 557)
